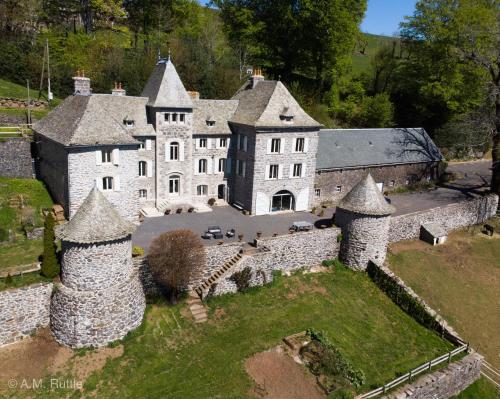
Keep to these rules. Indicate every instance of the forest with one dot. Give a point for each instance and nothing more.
(442, 71)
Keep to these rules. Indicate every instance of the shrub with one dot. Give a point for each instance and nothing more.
(137, 251)
(50, 266)
(332, 262)
(242, 279)
(4, 235)
(211, 201)
(176, 258)
(8, 280)
(340, 238)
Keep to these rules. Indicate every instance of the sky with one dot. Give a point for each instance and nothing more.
(383, 16)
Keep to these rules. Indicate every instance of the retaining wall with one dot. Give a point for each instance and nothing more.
(454, 216)
(444, 383)
(23, 311)
(15, 158)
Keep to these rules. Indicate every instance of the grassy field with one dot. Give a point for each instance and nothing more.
(171, 357)
(20, 252)
(362, 62)
(22, 281)
(481, 389)
(460, 280)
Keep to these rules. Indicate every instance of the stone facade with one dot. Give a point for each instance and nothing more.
(450, 217)
(86, 170)
(444, 383)
(147, 154)
(333, 185)
(23, 311)
(364, 238)
(15, 158)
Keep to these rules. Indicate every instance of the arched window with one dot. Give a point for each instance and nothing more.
(174, 185)
(202, 166)
(107, 183)
(142, 168)
(174, 151)
(202, 190)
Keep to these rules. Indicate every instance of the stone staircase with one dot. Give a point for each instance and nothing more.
(196, 307)
(203, 288)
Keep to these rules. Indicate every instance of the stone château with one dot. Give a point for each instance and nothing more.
(259, 151)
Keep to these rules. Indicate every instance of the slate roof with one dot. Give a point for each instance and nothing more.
(435, 230)
(262, 106)
(95, 221)
(165, 89)
(219, 111)
(350, 148)
(365, 198)
(95, 120)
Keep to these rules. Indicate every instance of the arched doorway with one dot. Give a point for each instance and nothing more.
(283, 201)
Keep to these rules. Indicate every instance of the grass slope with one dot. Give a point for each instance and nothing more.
(460, 280)
(171, 357)
(362, 62)
(481, 389)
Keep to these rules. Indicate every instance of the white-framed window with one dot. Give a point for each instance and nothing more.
(182, 118)
(297, 170)
(202, 190)
(223, 143)
(222, 165)
(142, 145)
(317, 192)
(107, 183)
(173, 117)
(202, 143)
(174, 151)
(338, 189)
(273, 171)
(107, 155)
(143, 194)
(174, 184)
(202, 166)
(167, 118)
(275, 146)
(300, 144)
(143, 166)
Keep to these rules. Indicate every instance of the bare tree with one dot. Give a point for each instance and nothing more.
(176, 258)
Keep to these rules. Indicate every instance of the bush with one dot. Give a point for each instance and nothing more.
(8, 280)
(242, 279)
(137, 251)
(4, 235)
(50, 266)
(176, 258)
(211, 201)
(332, 262)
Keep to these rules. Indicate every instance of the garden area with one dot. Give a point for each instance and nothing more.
(171, 357)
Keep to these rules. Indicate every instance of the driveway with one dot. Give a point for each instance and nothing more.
(474, 178)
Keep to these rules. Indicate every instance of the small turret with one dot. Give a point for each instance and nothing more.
(364, 216)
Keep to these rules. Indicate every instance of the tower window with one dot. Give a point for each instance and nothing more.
(202, 166)
(142, 168)
(106, 155)
(143, 194)
(297, 170)
(273, 171)
(222, 165)
(275, 146)
(203, 143)
(300, 144)
(107, 183)
(174, 151)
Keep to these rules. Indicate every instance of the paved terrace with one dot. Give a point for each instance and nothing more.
(475, 177)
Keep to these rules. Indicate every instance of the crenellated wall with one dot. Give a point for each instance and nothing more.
(23, 311)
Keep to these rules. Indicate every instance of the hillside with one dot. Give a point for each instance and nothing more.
(361, 62)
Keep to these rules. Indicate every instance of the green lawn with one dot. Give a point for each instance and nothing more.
(481, 389)
(20, 252)
(22, 281)
(171, 357)
(13, 90)
(362, 62)
(22, 113)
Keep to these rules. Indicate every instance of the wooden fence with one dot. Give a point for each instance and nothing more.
(21, 130)
(413, 373)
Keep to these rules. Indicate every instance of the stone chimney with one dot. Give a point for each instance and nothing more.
(256, 77)
(118, 90)
(195, 95)
(82, 84)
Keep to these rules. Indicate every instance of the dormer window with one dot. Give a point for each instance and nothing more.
(286, 116)
(129, 123)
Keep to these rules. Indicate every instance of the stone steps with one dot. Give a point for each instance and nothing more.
(196, 308)
(205, 285)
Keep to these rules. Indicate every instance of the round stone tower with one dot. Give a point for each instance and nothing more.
(100, 298)
(364, 217)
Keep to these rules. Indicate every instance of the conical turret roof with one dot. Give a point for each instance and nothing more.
(366, 198)
(165, 89)
(95, 221)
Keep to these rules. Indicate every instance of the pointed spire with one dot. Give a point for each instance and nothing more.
(366, 198)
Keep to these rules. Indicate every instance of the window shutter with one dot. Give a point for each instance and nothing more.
(148, 144)
(209, 166)
(150, 168)
(181, 151)
(116, 183)
(228, 166)
(228, 143)
(196, 166)
(303, 170)
(116, 156)
(282, 146)
(306, 144)
(98, 182)
(294, 144)
(209, 144)
(245, 143)
(239, 141)
(244, 168)
(98, 157)
(217, 143)
(291, 170)
(216, 166)
(269, 143)
(280, 172)
(268, 167)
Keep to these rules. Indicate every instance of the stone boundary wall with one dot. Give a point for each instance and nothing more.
(24, 310)
(443, 383)
(15, 158)
(451, 217)
(9, 102)
(442, 326)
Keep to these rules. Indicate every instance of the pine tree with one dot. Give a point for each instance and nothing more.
(50, 266)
